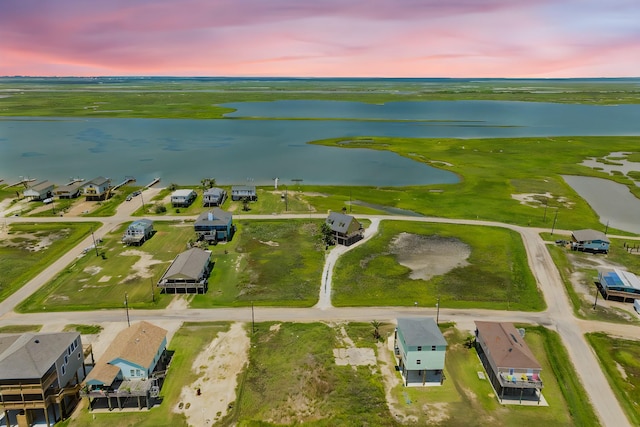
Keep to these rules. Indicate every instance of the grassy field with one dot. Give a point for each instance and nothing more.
(19, 329)
(620, 362)
(83, 329)
(200, 100)
(497, 276)
(187, 343)
(491, 171)
(292, 379)
(94, 282)
(30, 248)
(267, 263)
(583, 307)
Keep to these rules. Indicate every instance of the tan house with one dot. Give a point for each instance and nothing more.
(512, 368)
(40, 376)
(131, 369)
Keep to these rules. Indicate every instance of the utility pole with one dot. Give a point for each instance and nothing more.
(606, 228)
(595, 303)
(95, 245)
(153, 294)
(438, 311)
(253, 320)
(142, 199)
(126, 306)
(555, 218)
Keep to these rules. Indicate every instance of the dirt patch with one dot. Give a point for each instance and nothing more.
(270, 243)
(429, 256)
(536, 200)
(93, 270)
(217, 368)
(141, 267)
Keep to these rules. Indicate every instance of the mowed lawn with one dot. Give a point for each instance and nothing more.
(93, 282)
(268, 262)
(497, 275)
(30, 248)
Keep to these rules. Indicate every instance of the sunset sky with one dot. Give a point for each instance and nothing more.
(321, 38)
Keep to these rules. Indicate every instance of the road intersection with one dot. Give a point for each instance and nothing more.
(558, 316)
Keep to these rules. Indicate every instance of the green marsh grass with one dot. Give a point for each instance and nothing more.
(497, 275)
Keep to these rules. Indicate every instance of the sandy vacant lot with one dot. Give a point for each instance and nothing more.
(217, 368)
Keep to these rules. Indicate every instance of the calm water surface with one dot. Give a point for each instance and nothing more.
(239, 151)
(613, 202)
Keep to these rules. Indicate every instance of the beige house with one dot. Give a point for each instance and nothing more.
(188, 273)
(131, 369)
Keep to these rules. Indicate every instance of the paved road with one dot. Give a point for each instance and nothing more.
(558, 315)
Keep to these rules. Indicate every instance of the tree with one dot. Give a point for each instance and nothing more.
(245, 203)
(208, 183)
(326, 235)
(376, 330)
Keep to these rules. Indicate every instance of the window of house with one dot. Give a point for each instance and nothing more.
(419, 348)
(132, 373)
(418, 362)
(433, 348)
(79, 356)
(66, 359)
(138, 373)
(64, 369)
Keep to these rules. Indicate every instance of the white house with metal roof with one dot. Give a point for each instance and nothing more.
(183, 197)
(590, 241)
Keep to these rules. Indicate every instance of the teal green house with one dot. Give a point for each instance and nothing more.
(420, 349)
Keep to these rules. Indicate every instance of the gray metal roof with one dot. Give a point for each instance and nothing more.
(213, 191)
(421, 331)
(244, 188)
(98, 181)
(339, 222)
(215, 216)
(188, 264)
(30, 355)
(41, 186)
(589, 235)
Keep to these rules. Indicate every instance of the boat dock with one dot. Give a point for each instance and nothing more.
(24, 181)
(154, 182)
(126, 181)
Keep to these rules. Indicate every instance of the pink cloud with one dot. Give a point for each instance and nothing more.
(464, 38)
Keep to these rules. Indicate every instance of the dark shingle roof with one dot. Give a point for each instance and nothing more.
(30, 355)
(339, 222)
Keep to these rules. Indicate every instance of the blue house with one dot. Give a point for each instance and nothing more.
(127, 367)
(138, 231)
(215, 225)
(420, 349)
(590, 241)
(619, 284)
